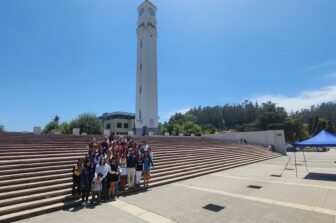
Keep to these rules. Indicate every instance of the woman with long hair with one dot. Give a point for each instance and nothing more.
(123, 175)
(76, 171)
(147, 164)
(102, 169)
(114, 172)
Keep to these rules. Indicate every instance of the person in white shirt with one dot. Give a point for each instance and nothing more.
(103, 169)
(144, 147)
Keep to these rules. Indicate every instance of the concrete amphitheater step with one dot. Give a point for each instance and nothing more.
(71, 162)
(174, 166)
(33, 197)
(36, 190)
(40, 146)
(159, 154)
(43, 156)
(16, 187)
(20, 175)
(32, 203)
(168, 180)
(31, 161)
(28, 209)
(33, 165)
(83, 152)
(38, 152)
(66, 178)
(37, 211)
(46, 148)
(173, 162)
(75, 157)
(37, 163)
(185, 169)
(47, 175)
(42, 164)
(41, 151)
(254, 148)
(40, 171)
(69, 153)
(14, 172)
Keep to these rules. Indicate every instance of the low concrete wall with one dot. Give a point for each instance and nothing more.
(107, 132)
(264, 138)
(76, 131)
(37, 130)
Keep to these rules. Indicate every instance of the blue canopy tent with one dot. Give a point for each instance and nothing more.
(323, 139)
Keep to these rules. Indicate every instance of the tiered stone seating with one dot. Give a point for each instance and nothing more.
(36, 177)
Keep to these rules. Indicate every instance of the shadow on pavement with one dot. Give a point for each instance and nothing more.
(321, 176)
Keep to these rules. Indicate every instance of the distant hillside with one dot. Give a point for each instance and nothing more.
(249, 116)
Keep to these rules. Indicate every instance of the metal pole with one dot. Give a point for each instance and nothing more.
(305, 161)
(288, 161)
(295, 162)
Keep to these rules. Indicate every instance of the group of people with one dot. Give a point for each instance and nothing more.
(111, 166)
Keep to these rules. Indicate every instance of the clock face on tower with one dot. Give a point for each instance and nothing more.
(150, 11)
(141, 12)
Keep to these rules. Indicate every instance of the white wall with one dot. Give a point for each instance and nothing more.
(264, 138)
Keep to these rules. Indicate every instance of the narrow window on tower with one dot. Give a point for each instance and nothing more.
(141, 66)
(141, 44)
(140, 115)
(140, 90)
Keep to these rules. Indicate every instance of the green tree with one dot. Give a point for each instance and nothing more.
(271, 117)
(330, 127)
(50, 127)
(208, 129)
(88, 123)
(65, 128)
(164, 127)
(177, 128)
(294, 129)
(189, 128)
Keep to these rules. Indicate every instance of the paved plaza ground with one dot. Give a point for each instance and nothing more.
(310, 197)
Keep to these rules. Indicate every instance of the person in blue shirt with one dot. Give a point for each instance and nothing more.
(147, 164)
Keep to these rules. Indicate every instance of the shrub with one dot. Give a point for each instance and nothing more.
(64, 128)
(50, 126)
(88, 123)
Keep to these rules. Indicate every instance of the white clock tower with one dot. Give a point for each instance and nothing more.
(146, 118)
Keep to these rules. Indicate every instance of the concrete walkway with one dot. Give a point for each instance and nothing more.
(310, 197)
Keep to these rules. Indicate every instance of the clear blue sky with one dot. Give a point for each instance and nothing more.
(66, 57)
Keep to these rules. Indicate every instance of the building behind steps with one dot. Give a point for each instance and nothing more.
(119, 123)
